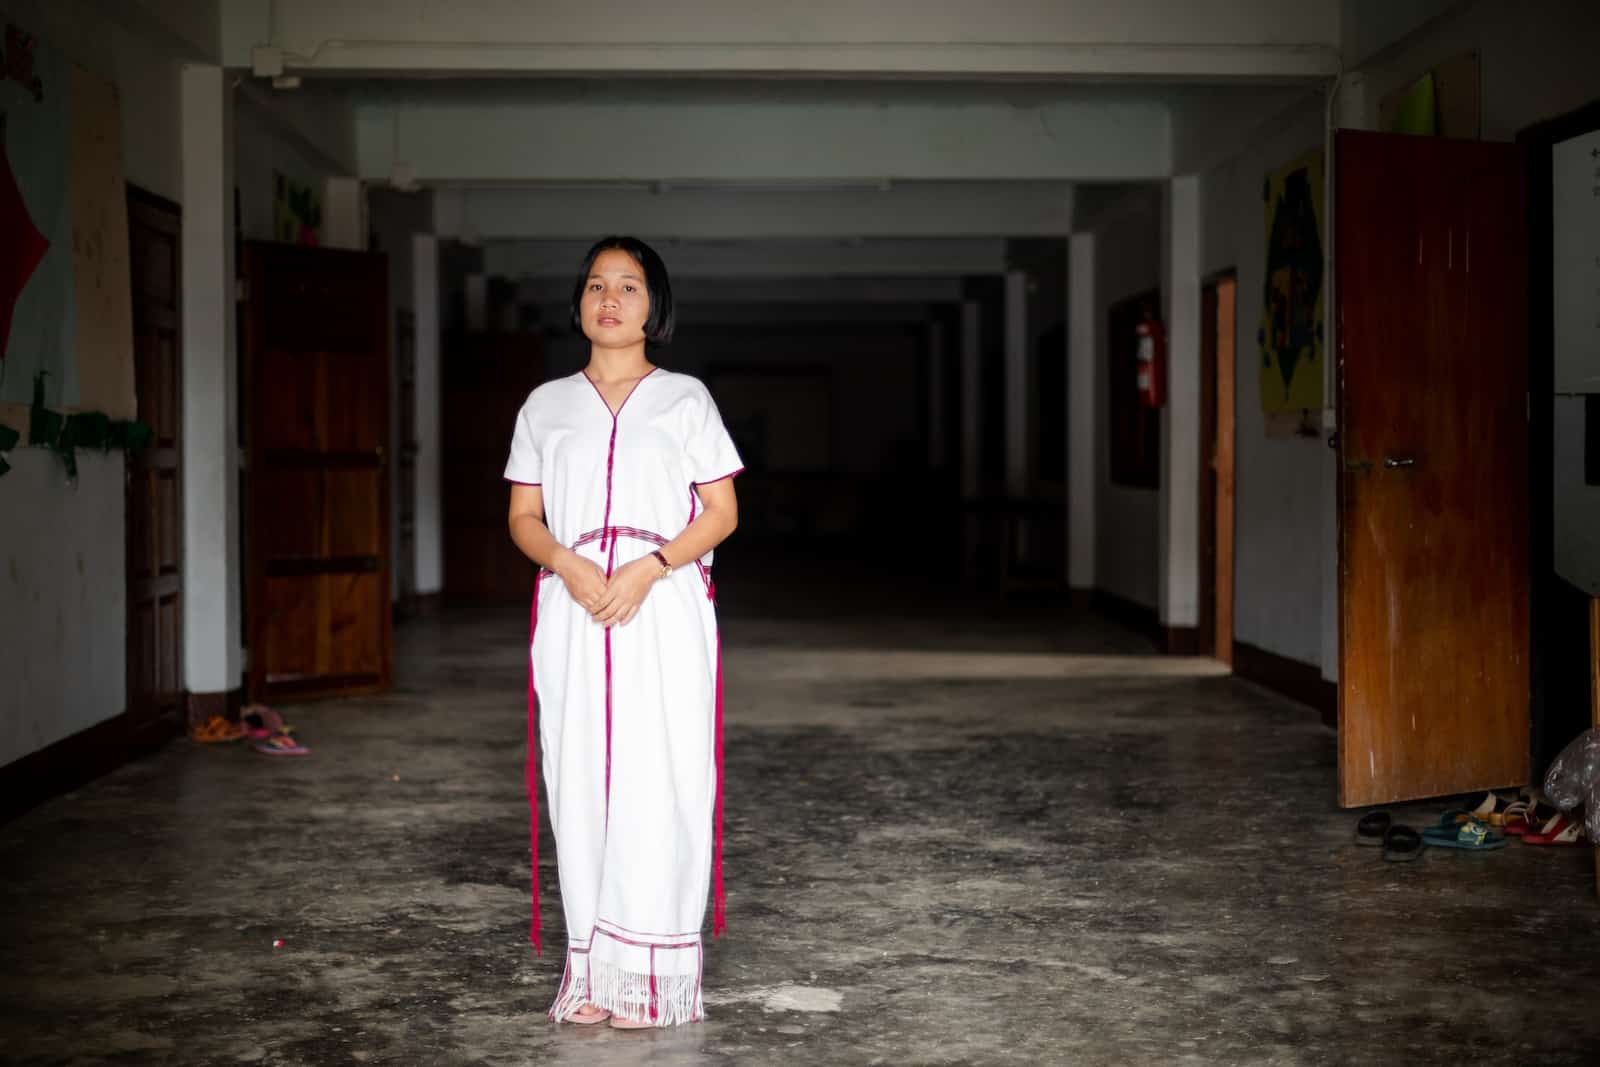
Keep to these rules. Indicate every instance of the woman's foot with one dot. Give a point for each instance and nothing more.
(589, 1015)
(619, 1022)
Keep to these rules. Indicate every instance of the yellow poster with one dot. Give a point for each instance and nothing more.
(1293, 300)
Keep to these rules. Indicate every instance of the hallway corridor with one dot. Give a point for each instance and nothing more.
(947, 842)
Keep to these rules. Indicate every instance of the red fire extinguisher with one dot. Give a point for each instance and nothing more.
(1152, 357)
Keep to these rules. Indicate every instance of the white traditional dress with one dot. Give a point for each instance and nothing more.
(631, 717)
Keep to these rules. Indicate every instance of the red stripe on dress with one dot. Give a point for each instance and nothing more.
(530, 773)
(654, 995)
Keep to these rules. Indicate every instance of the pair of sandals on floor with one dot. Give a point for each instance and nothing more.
(1470, 830)
(594, 1015)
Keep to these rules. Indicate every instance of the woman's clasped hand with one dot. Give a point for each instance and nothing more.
(614, 601)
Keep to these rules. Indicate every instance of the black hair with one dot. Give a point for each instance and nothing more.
(658, 326)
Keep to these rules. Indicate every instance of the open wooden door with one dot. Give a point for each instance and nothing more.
(316, 367)
(1433, 439)
(155, 483)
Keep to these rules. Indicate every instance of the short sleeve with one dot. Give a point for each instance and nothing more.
(712, 456)
(523, 464)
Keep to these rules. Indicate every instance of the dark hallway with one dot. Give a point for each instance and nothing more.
(954, 836)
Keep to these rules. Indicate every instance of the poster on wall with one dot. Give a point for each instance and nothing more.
(296, 211)
(66, 319)
(1291, 332)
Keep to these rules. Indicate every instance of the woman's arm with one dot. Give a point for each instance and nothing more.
(629, 585)
(584, 580)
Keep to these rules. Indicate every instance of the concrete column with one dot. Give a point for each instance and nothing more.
(344, 214)
(213, 660)
(1180, 422)
(430, 511)
(938, 431)
(1083, 412)
(971, 398)
(1018, 424)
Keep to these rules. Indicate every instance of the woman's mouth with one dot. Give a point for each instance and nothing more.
(609, 320)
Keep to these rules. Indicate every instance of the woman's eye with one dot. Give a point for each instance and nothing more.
(594, 288)
(629, 288)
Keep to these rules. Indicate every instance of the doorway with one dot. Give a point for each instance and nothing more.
(1217, 343)
(316, 364)
(154, 474)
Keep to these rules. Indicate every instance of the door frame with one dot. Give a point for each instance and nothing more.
(1217, 529)
(166, 215)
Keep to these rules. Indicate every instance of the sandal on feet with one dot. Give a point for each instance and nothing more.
(618, 1022)
(589, 1015)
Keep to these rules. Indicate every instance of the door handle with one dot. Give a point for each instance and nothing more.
(1396, 462)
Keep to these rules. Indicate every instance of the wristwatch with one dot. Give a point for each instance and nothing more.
(666, 568)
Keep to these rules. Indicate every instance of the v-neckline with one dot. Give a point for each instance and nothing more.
(617, 414)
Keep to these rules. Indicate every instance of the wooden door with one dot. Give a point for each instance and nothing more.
(1434, 670)
(1216, 473)
(154, 481)
(316, 367)
(486, 379)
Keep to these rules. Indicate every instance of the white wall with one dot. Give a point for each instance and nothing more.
(1127, 538)
(1536, 64)
(62, 556)
(1279, 501)
(62, 581)
(144, 72)
(1537, 60)
(308, 137)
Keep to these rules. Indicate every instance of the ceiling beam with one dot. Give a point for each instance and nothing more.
(916, 209)
(770, 133)
(942, 38)
(751, 260)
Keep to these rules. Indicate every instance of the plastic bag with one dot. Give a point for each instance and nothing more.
(1574, 778)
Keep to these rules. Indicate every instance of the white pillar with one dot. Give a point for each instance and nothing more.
(430, 511)
(971, 398)
(344, 214)
(1016, 394)
(937, 430)
(1180, 463)
(1083, 411)
(213, 659)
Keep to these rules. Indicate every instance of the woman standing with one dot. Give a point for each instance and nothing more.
(622, 484)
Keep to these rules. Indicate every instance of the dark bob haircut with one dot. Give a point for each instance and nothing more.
(658, 326)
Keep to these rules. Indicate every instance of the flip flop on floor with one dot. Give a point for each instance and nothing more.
(1471, 835)
(216, 729)
(1560, 830)
(1371, 828)
(280, 745)
(262, 721)
(1401, 844)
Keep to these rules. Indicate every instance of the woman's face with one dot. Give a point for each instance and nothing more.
(615, 301)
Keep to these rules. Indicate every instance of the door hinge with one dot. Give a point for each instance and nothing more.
(241, 289)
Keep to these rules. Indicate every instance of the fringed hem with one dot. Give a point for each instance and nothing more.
(667, 1000)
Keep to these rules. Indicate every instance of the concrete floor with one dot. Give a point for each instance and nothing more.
(1018, 840)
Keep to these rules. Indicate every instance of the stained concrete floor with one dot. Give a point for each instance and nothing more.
(990, 840)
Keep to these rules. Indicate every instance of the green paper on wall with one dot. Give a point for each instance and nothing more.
(1418, 111)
